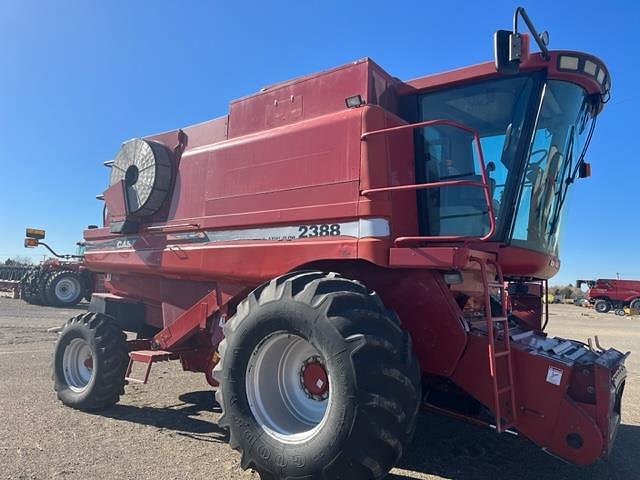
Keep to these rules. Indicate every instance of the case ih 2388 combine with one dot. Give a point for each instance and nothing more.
(332, 254)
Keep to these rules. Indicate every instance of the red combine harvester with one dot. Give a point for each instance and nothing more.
(609, 293)
(332, 254)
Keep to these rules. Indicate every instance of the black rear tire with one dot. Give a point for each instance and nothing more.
(30, 287)
(374, 378)
(26, 292)
(64, 288)
(41, 279)
(107, 345)
(635, 304)
(602, 306)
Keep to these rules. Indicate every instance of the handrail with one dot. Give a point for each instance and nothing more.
(422, 186)
(445, 183)
(426, 123)
(180, 227)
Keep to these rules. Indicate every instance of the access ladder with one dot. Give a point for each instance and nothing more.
(499, 346)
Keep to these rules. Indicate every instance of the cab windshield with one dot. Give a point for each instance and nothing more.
(563, 125)
(532, 134)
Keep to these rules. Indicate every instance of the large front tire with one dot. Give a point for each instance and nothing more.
(317, 380)
(90, 359)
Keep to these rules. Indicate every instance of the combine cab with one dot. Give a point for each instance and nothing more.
(332, 254)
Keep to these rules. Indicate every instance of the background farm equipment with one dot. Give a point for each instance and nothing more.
(334, 263)
(59, 282)
(11, 278)
(613, 294)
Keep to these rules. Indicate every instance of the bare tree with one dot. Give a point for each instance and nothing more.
(18, 260)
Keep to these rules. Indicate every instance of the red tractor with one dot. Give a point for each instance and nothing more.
(609, 293)
(58, 282)
(332, 255)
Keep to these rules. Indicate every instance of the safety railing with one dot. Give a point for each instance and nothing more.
(484, 184)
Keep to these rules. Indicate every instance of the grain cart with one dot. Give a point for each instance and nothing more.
(332, 254)
(59, 282)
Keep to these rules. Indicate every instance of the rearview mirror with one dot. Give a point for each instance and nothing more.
(507, 51)
(31, 242)
(35, 233)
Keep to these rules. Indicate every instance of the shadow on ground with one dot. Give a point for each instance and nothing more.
(442, 446)
(82, 306)
(182, 418)
(455, 450)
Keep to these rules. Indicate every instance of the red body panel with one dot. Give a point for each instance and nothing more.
(618, 290)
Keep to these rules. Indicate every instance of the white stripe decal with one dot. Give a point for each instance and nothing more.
(374, 227)
(360, 228)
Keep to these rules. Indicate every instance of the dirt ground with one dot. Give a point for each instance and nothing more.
(167, 429)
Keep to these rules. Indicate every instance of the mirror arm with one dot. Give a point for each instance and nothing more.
(521, 11)
(65, 256)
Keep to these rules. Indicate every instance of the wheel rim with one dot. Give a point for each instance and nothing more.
(67, 289)
(77, 364)
(601, 307)
(288, 388)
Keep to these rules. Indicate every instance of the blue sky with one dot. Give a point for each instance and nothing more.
(79, 77)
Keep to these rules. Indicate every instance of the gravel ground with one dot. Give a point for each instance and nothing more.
(167, 429)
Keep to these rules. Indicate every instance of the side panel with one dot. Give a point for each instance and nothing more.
(428, 311)
(272, 176)
(298, 99)
(252, 262)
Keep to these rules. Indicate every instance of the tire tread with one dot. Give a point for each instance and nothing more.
(388, 374)
(110, 343)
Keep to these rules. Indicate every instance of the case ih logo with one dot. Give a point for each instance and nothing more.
(124, 243)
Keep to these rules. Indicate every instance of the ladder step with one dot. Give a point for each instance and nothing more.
(136, 380)
(495, 284)
(504, 390)
(504, 353)
(505, 427)
(500, 319)
(148, 358)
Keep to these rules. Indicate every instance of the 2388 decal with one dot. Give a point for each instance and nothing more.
(322, 230)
